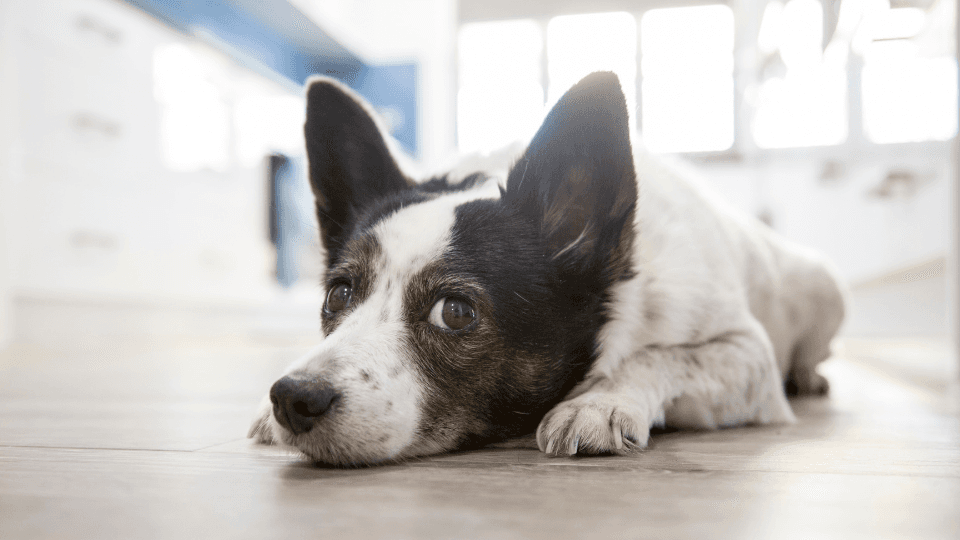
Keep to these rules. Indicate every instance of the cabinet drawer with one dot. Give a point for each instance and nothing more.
(87, 116)
(93, 27)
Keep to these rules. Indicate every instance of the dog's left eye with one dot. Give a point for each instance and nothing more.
(338, 298)
(452, 314)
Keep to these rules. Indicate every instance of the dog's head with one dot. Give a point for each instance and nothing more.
(456, 314)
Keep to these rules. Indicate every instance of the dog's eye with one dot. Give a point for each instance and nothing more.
(339, 297)
(452, 314)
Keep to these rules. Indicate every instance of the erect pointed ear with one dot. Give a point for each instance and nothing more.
(350, 165)
(577, 177)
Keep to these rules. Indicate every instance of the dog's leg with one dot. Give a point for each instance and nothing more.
(728, 380)
(823, 301)
(803, 379)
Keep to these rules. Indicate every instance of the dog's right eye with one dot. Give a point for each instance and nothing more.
(452, 314)
(338, 298)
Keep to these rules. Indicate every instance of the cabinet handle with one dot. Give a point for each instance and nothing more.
(109, 33)
(89, 239)
(85, 123)
(900, 183)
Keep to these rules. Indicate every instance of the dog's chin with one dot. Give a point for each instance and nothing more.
(333, 449)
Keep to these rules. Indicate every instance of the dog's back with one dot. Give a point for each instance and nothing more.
(695, 245)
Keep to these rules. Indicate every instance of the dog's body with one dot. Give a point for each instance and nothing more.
(559, 300)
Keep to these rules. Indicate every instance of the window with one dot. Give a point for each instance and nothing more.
(909, 85)
(578, 45)
(687, 65)
(687, 85)
(501, 98)
(802, 99)
(266, 122)
(194, 118)
(685, 61)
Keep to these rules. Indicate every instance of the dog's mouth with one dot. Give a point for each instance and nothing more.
(336, 423)
(324, 446)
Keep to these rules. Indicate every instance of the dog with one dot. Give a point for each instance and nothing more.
(590, 295)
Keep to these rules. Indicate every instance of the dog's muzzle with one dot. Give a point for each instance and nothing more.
(298, 404)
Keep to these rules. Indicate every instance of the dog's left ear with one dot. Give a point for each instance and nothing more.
(577, 177)
(350, 165)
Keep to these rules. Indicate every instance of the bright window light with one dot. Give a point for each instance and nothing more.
(806, 106)
(501, 98)
(578, 45)
(266, 123)
(801, 38)
(897, 23)
(906, 97)
(194, 120)
(771, 25)
(687, 84)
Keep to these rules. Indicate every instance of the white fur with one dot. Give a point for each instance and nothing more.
(362, 343)
(717, 352)
(418, 235)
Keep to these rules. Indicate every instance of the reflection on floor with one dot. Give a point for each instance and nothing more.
(130, 441)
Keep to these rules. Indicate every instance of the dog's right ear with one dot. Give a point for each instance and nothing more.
(577, 179)
(350, 165)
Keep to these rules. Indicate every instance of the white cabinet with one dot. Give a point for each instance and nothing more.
(97, 213)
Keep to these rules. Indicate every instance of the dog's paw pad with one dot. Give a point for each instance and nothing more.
(593, 424)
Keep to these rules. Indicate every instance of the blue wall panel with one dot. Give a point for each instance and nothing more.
(274, 34)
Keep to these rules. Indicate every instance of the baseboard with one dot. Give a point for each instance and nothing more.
(932, 268)
(926, 361)
(907, 302)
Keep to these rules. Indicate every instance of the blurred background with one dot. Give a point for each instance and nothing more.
(152, 170)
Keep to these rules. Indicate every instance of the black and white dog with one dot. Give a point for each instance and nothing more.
(590, 295)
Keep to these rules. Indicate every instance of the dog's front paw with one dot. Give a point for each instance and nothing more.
(594, 423)
(260, 430)
(806, 383)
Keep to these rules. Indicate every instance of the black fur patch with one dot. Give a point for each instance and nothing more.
(577, 180)
(534, 340)
(350, 166)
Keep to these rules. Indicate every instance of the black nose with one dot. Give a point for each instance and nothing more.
(299, 403)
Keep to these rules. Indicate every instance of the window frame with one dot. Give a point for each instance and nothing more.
(746, 27)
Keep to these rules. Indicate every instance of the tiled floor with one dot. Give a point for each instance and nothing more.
(146, 441)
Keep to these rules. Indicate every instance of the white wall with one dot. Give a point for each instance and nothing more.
(867, 236)
(8, 135)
